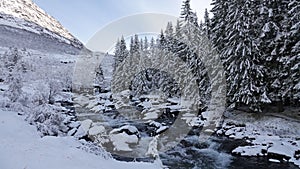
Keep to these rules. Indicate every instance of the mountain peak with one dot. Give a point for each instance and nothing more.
(30, 12)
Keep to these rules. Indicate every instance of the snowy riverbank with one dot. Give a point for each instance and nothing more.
(277, 138)
(22, 147)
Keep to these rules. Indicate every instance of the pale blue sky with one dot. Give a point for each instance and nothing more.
(83, 18)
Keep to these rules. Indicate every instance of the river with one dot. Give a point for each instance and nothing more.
(191, 152)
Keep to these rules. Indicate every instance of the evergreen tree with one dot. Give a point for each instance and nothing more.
(141, 44)
(201, 27)
(277, 46)
(136, 45)
(123, 48)
(146, 44)
(194, 19)
(294, 16)
(169, 33)
(270, 33)
(206, 25)
(131, 50)
(243, 62)
(117, 49)
(121, 51)
(178, 34)
(152, 43)
(162, 40)
(294, 60)
(186, 11)
(218, 23)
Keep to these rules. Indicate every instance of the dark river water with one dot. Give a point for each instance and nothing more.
(216, 154)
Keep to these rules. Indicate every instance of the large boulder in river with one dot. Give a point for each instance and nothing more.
(84, 128)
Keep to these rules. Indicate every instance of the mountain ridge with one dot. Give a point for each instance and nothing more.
(26, 15)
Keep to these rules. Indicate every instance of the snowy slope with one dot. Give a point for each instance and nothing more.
(21, 147)
(26, 17)
(30, 12)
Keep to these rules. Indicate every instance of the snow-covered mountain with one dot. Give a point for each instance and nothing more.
(25, 15)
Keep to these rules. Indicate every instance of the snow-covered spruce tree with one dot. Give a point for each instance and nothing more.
(152, 43)
(277, 41)
(179, 48)
(187, 36)
(177, 34)
(294, 16)
(267, 44)
(134, 45)
(185, 32)
(117, 53)
(207, 24)
(169, 36)
(294, 59)
(186, 11)
(121, 51)
(131, 45)
(169, 30)
(146, 44)
(273, 46)
(242, 57)
(162, 40)
(141, 44)
(218, 23)
(129, 65)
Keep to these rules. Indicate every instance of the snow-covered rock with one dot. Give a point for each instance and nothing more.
(96, 130)
(131, 130)
(273, 137)
(282, 150)
(255, 150)
(150, 114)
(122, 137)
(84, 128)
(122, 140)
(97, 133)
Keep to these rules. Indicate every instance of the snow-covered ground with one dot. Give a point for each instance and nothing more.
(273, 137)
(22, 147)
